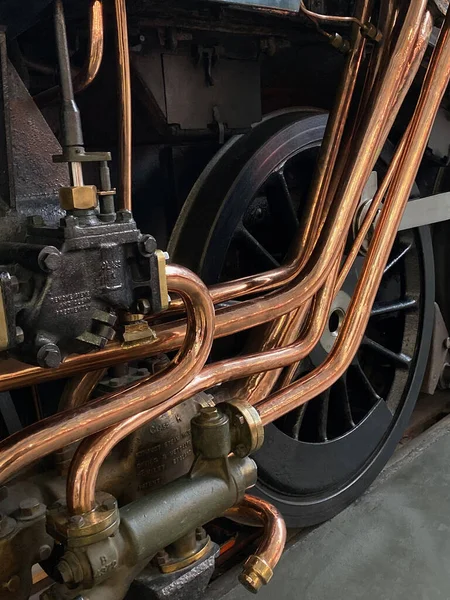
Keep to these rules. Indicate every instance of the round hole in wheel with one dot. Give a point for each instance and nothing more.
(240, 219)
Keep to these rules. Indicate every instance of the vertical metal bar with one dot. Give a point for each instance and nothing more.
(7, 187)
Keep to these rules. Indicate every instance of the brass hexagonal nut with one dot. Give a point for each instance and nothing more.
(81, 197)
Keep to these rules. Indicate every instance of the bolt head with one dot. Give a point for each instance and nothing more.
(65, 572)
(149, 244)
(49, 259)
(29, 507)
(161, 558)
(200, 534)
(447, 343)
(123, 216)
(109, 504)
(49, 356)
(44, 552)
(143, 306)
(77, 520)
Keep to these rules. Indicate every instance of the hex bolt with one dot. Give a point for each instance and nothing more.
(29, 507)
(49, 356)
(44, 552)
(161, 558)
(149, 244)
(77, 520)
(49, 259)
(109, 504)
(13, 585)
(123, 216)
(143, 306)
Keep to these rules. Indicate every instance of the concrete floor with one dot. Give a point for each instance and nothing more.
(392, 544)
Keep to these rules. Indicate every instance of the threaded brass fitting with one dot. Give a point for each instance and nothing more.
(255, 574)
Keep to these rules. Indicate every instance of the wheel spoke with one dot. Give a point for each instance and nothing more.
(397, 258)
(343, 398)
(401, 360)
(254, 246)
(299, 414)
(284, 204)
(324, 400)
(365, 381)
(384, 308)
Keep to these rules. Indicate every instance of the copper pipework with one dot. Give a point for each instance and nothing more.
(95, 51)
(125, 132)
(94, 56)
(86, 464)
(48, 435)
(355, 322)
(258, 569)
(79, 389)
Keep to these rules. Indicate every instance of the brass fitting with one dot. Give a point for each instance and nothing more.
(80, 197)
(255, 574)
(246, 428)
(83, 530)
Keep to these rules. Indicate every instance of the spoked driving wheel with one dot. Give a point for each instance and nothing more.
(240, 219)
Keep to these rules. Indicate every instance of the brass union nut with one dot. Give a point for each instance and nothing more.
(255, 574)
(82, 197)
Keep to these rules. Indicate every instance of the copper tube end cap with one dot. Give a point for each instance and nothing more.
(255, 574)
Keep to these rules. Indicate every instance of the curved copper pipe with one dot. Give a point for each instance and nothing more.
(79, 389)
(245, 315)
(355, 322)
(285, 330)
(258, 568)
(94, 57)
(45, 437)
(86, 464)
(125, 132)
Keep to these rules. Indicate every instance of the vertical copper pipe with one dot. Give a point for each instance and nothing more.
(35, 442)
(355, 322)
(79, 389)
(125, 132)
(258, 569)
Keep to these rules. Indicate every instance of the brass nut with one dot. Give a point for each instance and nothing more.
(81, 197)
(247, 431)
(255, 574)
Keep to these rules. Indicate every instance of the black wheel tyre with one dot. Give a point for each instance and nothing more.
(309, 481)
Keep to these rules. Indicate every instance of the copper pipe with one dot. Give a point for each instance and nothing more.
(285, 330)
(79, 389)
(125, 132)
(355, 322)
(95, 51)
(92, 452)
(329, 18)
(94, 57)
(37, 441)
(258, 569)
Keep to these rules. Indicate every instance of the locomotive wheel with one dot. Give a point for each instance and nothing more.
(240, 219)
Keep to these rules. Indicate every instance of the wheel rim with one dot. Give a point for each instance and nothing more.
(313, 455)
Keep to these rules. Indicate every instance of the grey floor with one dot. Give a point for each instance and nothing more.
(392, 544)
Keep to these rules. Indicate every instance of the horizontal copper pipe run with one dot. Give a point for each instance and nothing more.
(355, 322)
(125, 124)
(258, 569)
(94, 56)
(92, 452)
(35, 442)
(254, 312)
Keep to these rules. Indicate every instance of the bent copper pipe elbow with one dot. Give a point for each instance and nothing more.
(258, 568)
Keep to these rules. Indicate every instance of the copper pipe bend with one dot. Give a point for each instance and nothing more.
(258, 569)
(35, 442)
